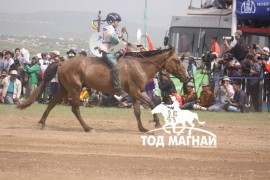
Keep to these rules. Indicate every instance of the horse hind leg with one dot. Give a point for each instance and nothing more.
(75, 95)
(61, 92)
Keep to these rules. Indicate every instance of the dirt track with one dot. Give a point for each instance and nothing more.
(115, 151)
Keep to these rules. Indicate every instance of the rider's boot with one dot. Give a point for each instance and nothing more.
(120, 94)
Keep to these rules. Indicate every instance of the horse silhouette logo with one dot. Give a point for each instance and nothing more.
(174, 116)
(248, 7)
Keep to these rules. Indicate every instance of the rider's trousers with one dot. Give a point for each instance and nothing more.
(111, 60)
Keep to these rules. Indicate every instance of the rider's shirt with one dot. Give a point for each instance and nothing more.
(110, 39)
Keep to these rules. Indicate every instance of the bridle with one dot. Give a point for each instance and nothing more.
(162, 67)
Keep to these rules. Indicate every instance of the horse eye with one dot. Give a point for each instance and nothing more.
(177, 61)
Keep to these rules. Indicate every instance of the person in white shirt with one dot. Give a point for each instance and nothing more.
(224, 92)
(44, 61)
(8, 61)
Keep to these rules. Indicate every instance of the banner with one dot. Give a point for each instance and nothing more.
(253, 9)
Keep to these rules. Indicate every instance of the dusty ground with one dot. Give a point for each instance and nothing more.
(115, 151)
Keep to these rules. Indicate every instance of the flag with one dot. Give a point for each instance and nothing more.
(150, 44)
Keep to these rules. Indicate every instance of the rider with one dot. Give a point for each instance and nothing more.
(110, 40)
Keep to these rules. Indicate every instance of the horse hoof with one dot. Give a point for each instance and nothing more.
(43, 125)
(143, 130)
(88, 129)
(157, 125)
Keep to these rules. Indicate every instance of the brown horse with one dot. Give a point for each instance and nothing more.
(135, 68)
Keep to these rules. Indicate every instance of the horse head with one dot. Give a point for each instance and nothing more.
(174, 65)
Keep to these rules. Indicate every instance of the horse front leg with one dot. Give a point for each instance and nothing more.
(137, 113)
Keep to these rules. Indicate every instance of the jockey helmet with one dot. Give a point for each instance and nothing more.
(111, 17)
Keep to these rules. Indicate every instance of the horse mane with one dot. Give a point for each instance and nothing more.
(146, 53)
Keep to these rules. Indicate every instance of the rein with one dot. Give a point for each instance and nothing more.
(159, 67)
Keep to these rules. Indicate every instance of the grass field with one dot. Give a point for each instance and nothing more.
(64, 112)
(115, 151)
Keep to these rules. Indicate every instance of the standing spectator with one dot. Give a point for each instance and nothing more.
(237, 47)
(83, 54)
(215, 46)
(54, 82)
(191, 69)
(266, 66)
(216, 66)
(149, 89)
(3, 76)
(232, 67)
(71, 53)
(18, 56)
(206, 99)
(44, 61)
(33, 76)
(239, 99)
(167, 87)
(254, 83)
(265, 51)
(207, 4)
(8, 61)
(11, 88)
(225, 92)
(15, 66)
(190, 98)
(1, 62)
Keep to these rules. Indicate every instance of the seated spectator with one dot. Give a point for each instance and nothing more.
(127, 103)
(94, 97)
(167, 87)
(190, 98)
(239, 99)
(206, 99)
(223, 94)
(11, 88)
(33, 76)
(178, 98)
(84, 94)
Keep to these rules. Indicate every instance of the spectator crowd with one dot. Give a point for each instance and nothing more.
(238, 77)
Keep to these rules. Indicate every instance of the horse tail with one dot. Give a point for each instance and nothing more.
(49, 74)
(197, 118)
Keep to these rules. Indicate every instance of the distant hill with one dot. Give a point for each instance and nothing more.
(65, 24)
